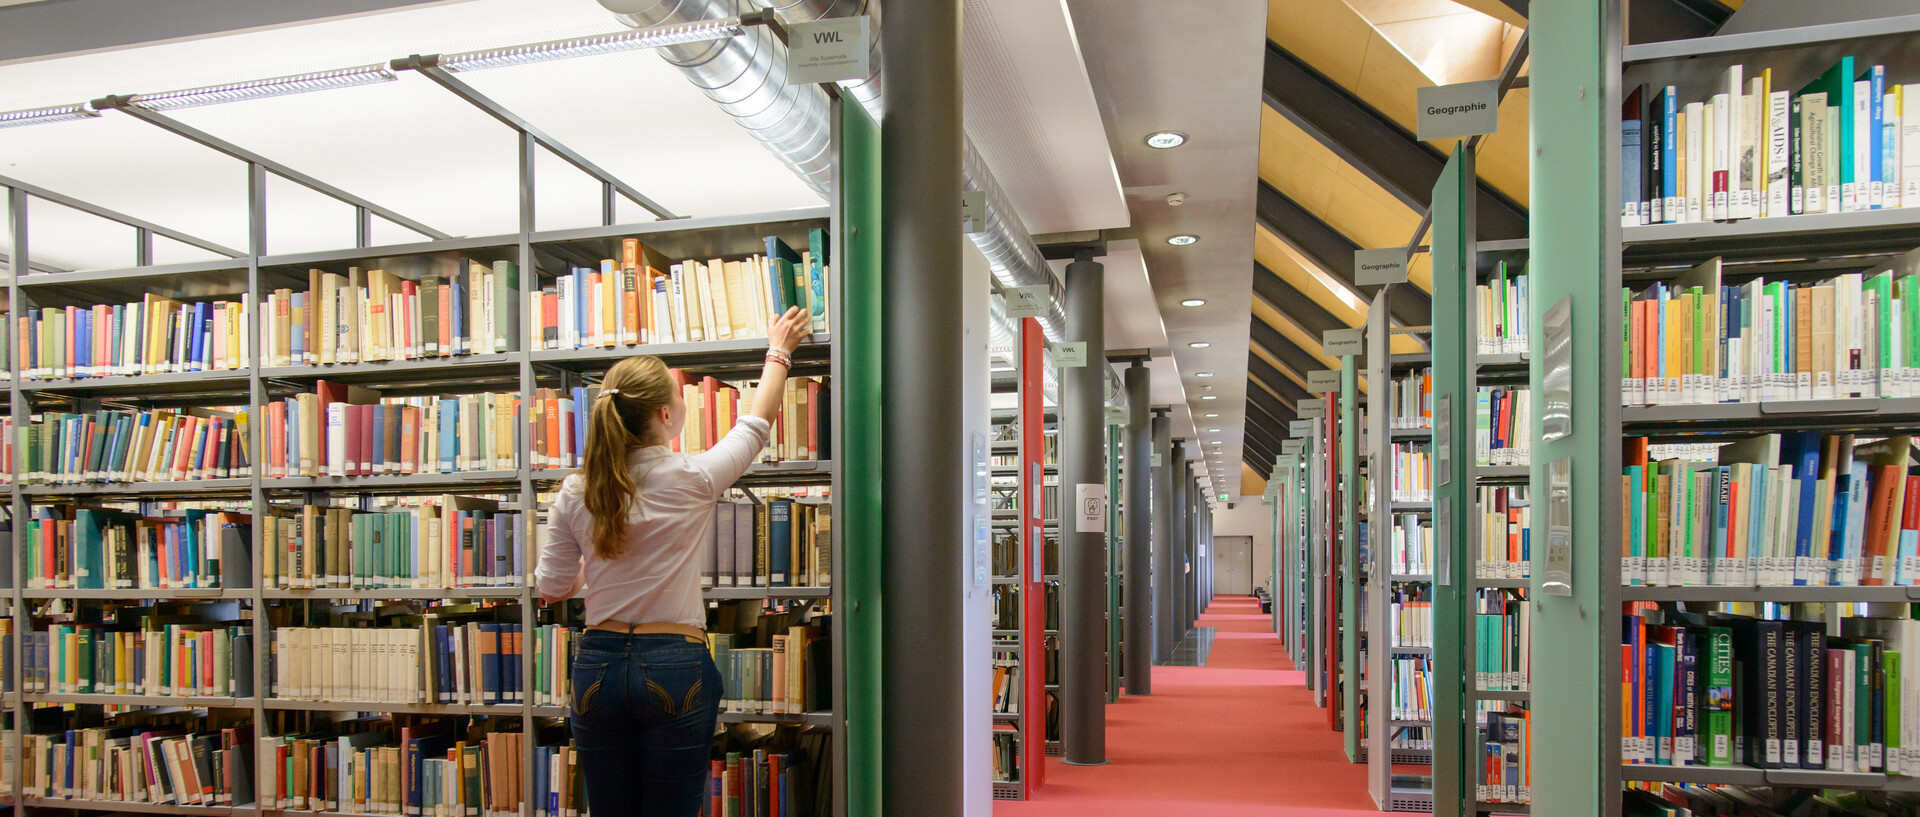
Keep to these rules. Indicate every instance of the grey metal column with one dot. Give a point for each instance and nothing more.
(924, 459)
(1139, 547)
(1083, 556)
(1182, 479)
(1164, 636)
(1191, 587)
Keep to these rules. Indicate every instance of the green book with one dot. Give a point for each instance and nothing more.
(506, 306)
(1882, 287)
(1837, 84)
(1893, 755)
(817, 253)
(1718, 702)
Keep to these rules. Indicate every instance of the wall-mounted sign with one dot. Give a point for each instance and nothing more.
(1343, 342)
(1027, 302)
(1383, 266)
(827, 50)
(973, 211)
(1090, 507)
(1458, 110)
(1321, 381)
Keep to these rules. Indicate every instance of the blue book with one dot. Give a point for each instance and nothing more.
(457, 283)
(1805, 450)
(1660, 660)
(1685, 746)
(449, 444)
(88, 545)
(1842, 501)
(582, 303)
(1721, 489)
(378, 439)
(1660, 327)
(297, 347)
(202, 336)
(293, 437)
(1875, 174)
(1669, 157)
(1637, 535)
(779, 541)
(490, 657)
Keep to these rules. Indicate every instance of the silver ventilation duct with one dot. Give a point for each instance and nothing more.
(747, 76)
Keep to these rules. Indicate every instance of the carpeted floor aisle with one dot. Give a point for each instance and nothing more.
(1237, 737)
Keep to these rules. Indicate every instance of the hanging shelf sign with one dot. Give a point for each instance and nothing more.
(1027, 302)
(1383, 266)
(827, 50)
(1458, 110)
(1321, 381)
(1343, 342)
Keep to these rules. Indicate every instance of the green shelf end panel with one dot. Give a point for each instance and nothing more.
(1349, 558)
(860, 389)
(1574, 230)
(1453, 500)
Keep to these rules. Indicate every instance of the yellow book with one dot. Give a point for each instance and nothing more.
(717, 296)
(737, 307)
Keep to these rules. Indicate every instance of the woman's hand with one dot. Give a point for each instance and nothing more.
(789, 329)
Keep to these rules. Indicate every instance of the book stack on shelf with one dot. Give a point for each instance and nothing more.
(298, 580)
(1397, 604)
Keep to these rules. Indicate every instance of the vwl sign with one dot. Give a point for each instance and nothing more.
(827, 50)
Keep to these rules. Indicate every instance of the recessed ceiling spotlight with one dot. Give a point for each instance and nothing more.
(1166, 139)
(1194, 302)
(1199, 344)
(1182, 239)
(1203, 374)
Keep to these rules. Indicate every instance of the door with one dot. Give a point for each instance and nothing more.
(1233, 565)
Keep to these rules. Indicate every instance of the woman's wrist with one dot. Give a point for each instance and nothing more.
(777, 355)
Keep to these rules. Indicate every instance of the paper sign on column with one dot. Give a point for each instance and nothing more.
(827, 50)
(1027, 302)
(1090, 505)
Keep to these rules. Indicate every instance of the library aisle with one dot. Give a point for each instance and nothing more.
(1174, 753)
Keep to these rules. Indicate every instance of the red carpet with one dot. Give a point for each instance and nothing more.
(1237, 737)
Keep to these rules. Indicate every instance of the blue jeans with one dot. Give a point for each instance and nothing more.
(644, 709)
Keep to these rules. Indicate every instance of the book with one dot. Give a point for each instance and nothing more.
(444, 541)
(152, 336)
(441, 308)
(87, 548)
(135, 446)
(342, 431)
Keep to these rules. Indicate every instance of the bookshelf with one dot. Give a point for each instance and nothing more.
(252, 606)
(1586, 255)
(1023, 478)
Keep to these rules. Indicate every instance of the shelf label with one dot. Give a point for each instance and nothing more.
(827, 50)
(1312, 409)
(1343, 342)
(1382, 266)
(1556, 406)
(1090, 499)
(1557, 578)
(1027, 302)
(1070, 354)
(982, 543)
(1299, 428)
(1321, 381)
(1458, 110)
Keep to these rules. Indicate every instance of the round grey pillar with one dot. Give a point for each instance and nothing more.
(1163, 570)
(924, 458)
(1191, 587)
(1139, 548)
(1182, 478)
(1083, 579)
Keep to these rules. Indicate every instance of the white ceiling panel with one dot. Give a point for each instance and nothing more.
(1030, 109)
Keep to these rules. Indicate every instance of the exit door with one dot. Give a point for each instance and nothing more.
(1233, 565)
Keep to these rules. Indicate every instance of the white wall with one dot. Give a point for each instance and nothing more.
(1249, 518)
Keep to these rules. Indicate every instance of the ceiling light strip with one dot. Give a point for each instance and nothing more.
(263, 88)
(634, 40)
(40, 116)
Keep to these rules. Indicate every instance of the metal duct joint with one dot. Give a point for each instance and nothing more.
(747, 76)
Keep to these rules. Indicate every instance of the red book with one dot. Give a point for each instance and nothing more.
(1881, 519)
(446, 319)
(773, 785)
(710, 421)
(716, 795)
(549, 316)
(1837, 660)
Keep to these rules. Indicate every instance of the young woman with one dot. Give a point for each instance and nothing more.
(630, 528)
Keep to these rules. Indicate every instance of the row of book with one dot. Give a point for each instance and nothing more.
(1412, 468)
(439, 661)
(1751, 150)
(1776, 509)
(1006, 756)
(1412, 687)
(635, 302)
(775, 542)
(759, 784)
(448, 541)
(1501, 313)
(1698, 340)
(789, 676)
(1769, 693)
(135, 446)
(1505, 771)
(140, 765)
(1506, 533)
(348, 431)
(1502, 640)
(1502, 426)
(558, 428)
(457, 307)
(1412, 546)
(70, 547)
(430, 768)
(1411, 397)
(1006, 682)
(169, 660)
(1410, 615)
(152, 336)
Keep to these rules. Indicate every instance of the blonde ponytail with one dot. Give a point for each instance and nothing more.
(620, 419)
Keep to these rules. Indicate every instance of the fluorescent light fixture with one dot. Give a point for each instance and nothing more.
(1166, 139)
(1214, 431)
(1208, 397)
(1182, 239)
(1194, 302)
(1199, 344)
(263, 88)
(57, 113)
(1212, 415)
(637, 39)
(1203, 374)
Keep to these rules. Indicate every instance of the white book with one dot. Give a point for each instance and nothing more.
(1724, 144)
(1910, 157)
(1854, 195)
(1779, 153)
(1890, 170)
(1749, 139)
(1698, 176)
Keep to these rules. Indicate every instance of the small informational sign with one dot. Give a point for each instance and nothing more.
(1343, 342)
(1557, 579)
(1070, 354)
(1443, 534)
(1321, 381)
(1291, 447)
(982, 547)
(1383, 266)
(1116, 416)
(973, 211)
(1223, 496)
(1027, 302)
(1556, 407)
(1299, 428)
(1039, 545)
(1458, 110)
(828, 50)
(980, 469)
(1443, 440)
(1157, 461)
(1312, 409)
(1090, 507)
